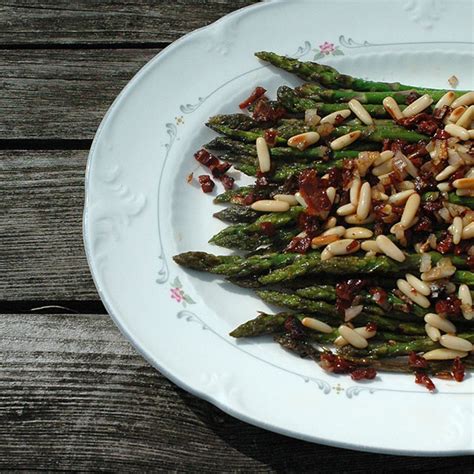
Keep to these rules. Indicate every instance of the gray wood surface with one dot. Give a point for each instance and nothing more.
(73, 393)
(41, 251)
(62, 93)
(109, 22)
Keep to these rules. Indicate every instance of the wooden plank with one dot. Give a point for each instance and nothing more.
(75, 395)
(88, 22)
(62, 94)
(41, 250)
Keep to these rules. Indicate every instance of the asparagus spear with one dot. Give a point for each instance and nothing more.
(297, 303)
(311, 263)
(297, 105)
(380, 350)
(237, 214)
(330, 77)
(461, 200)
(372, 133)
(316, 92)
(238, 196)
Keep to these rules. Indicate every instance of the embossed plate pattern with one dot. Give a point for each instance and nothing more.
(140, 211)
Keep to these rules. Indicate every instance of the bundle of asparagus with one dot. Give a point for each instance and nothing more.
(361, 228)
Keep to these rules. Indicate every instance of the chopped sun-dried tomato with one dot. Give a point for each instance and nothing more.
(422, 379)
(308, 224)
(219, 169)
(299, 245)
(458, 370)
(270, 136)
(363, 373)
(206, 158)
(265, 112)
(451, 306)
(417, 362)
(334, 363)
(441, 135)
(380, 296)
(227, 181)
(371, 326)
(346, 291)
(268, 228)
(445, 243)
(207, 185)
(294, 328)
(313, 193)
(411, 97)
(256, 94)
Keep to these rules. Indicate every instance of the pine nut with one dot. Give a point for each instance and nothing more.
(330, 223)
(447, 99)
(464, 183)
(331, 194)
(411, 208)
(289, 198)
(443, 354)
(437, 321)
(455, 115)
(389, 248)
(345, 140)
(263, 154)
(352, 337)
(411, 293)
(455, 343)
(331, 118)
(346, 210)
(383, 157)
(468, 231)
(303, 140)
(419, 285)
(457, 131)
(326, 254)
(433, 333)
(392, 108)
(364, 333)
(444, 187)
(317, 325)
(360, 111)
(465, 192)
(355, 190)
(418, 105)
(338, 230)
(301, 200)
(343, 247)
(384, 168)
(406, 186)
(466, 117)
(446, 173)
(311, 117)
(355, 220)
(370, 246)
(465, 99)
(471, 134)
(400, 198)
(465, 295)
(358, 233)
(322, 240)
(269, 205)
(365, 201)
(444, 269)
(455, 229)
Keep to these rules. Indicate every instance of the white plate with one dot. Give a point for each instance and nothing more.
(140, 212)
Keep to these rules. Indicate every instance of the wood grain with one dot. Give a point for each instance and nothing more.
(92, 22)
(75, 395)
(41, 250)
(62, 94)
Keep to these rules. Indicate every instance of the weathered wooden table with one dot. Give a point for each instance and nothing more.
(73, 393)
